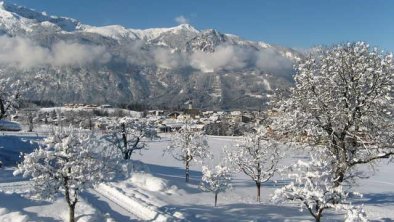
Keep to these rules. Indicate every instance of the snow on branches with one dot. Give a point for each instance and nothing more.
(128, 134)
(69, 161)
(188, 145)
(10, 95)
(256, 156)
(215, 180)
(343, 99)
(313, 188)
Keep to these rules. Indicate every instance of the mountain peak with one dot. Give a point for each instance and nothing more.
(186, 27)
(14, 12)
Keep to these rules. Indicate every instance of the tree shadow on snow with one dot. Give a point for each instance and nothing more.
(15, 202)
(378, 198)
(176, 176)
(12, 146)
(104, 207)
(242, 212)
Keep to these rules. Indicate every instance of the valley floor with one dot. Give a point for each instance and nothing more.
(156, 191)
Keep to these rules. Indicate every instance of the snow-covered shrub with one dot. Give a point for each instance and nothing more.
(215, 180)
(188, 145)
(314, 188)
(68, 162)
(257, 156)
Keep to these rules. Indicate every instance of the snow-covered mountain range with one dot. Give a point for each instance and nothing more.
(66, 61)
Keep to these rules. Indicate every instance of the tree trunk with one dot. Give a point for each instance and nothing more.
(317, 217)
(258, 185)
(126, 155)
(2, 109)
(187, 171)
(216, 199)
(71, 213)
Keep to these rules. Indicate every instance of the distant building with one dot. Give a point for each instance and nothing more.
(106, 106)
(190, 104)
(156, 112)
(193, 113)
(173, 115)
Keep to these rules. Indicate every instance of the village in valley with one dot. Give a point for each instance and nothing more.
(94, 117)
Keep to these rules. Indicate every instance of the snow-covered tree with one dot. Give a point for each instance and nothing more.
(128, 134)
(215, 180)
(257, 156)
(68, 162)
(313, 188)
(343, 98)
(10, 95)
(188, 145)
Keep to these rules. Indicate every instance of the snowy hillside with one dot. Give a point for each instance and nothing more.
(67, 62)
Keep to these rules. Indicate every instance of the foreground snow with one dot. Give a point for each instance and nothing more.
(157, 191)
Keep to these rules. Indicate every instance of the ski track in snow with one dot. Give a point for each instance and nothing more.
(109, 206)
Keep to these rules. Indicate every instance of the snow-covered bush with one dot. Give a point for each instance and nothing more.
(313, 188)
(188, 145)
(257, 156)
(215, 180)
(68, 162)
(10, 95)
(127, 135)
(343, 99)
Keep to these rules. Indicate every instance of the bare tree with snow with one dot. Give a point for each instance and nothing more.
(188, 145)
(10, 95)
(68, 162)
(257, 156)
(313, 188)
(343, 99)
(128, 134)
(215, 180)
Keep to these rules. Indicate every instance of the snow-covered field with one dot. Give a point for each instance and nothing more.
(157, 191)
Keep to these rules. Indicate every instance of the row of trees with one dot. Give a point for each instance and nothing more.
(341, 108)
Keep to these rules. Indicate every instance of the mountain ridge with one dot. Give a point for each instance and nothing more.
(157, 66)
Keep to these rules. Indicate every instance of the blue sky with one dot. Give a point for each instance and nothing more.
(293, 23)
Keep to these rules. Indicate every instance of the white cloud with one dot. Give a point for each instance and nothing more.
(224, 57)
(24, 53)
(182, 20)
(269, 60)
(164, 58)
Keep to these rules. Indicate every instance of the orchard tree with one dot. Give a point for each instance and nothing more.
(314, 188)
(257, 156)
(188, 145)
(128, 134)
(68, 162)
(343, 100)
(10, 96)
(215, 180)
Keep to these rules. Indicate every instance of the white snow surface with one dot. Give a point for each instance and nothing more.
(156, 191)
